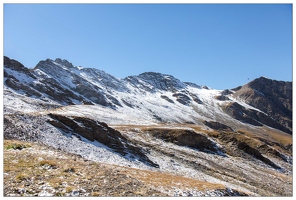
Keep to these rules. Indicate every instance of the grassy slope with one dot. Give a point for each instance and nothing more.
(32, 169)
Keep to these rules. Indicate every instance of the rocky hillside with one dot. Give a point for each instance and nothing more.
(272, 97)
(44, 171)
(150, 135)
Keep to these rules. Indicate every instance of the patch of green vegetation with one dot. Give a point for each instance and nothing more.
(17, 146)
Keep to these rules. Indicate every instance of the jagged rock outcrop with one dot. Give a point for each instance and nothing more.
(187, 138)
(239, 112)
(167, 98)
(195, 98)
(218, 126)
(226, 92)
(182, 98)
(254, 152)
(13, 83)
(156, 81)
(64, 62)
(222, 98)
(17, 66)
(101, 132)
(237, 144)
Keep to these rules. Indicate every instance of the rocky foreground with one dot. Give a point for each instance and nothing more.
(31, 169)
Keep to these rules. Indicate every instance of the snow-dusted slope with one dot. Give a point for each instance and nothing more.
(147, 98)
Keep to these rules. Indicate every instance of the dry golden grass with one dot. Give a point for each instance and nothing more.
(211, 133)
(252, 137)
(158, 179)
(27, 166)
(161, 126)
(21, 164)
(281, 137)
(270, 135)
(49, 163)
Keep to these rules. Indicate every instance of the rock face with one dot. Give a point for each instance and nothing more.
(155, 81)
(101, 132)
(218, 126)
(62, 76)
(253, 117)
(17, 66)
(254, 152)
(182, 98)
(241, 145)
(167, 98)
(270, 96)
(222, 98)
(187, 138)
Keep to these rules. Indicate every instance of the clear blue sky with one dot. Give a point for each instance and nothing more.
(218, 45)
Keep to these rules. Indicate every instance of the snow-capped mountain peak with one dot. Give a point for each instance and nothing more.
(64, 62)
(148, 96)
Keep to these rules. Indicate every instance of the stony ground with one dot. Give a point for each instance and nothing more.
(32, 169)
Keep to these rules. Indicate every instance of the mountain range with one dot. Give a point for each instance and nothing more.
(236, 137)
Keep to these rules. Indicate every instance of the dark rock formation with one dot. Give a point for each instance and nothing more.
(18, 86)
(17, 66)
(226, 92)
(253, 117)
(187, 138)
(222, 98)
(248, 146)
(64, 62)
(254, 152)
(182, 98)
(195, 98)
(101, 132)
(192, 85)
(127, 103)
(218, 126)
(238, 112)
(161, 81)
(167, 98)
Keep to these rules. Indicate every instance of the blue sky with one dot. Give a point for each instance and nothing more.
(218, 45)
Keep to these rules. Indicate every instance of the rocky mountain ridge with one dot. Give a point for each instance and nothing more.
(240, 138)
(269, 101)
